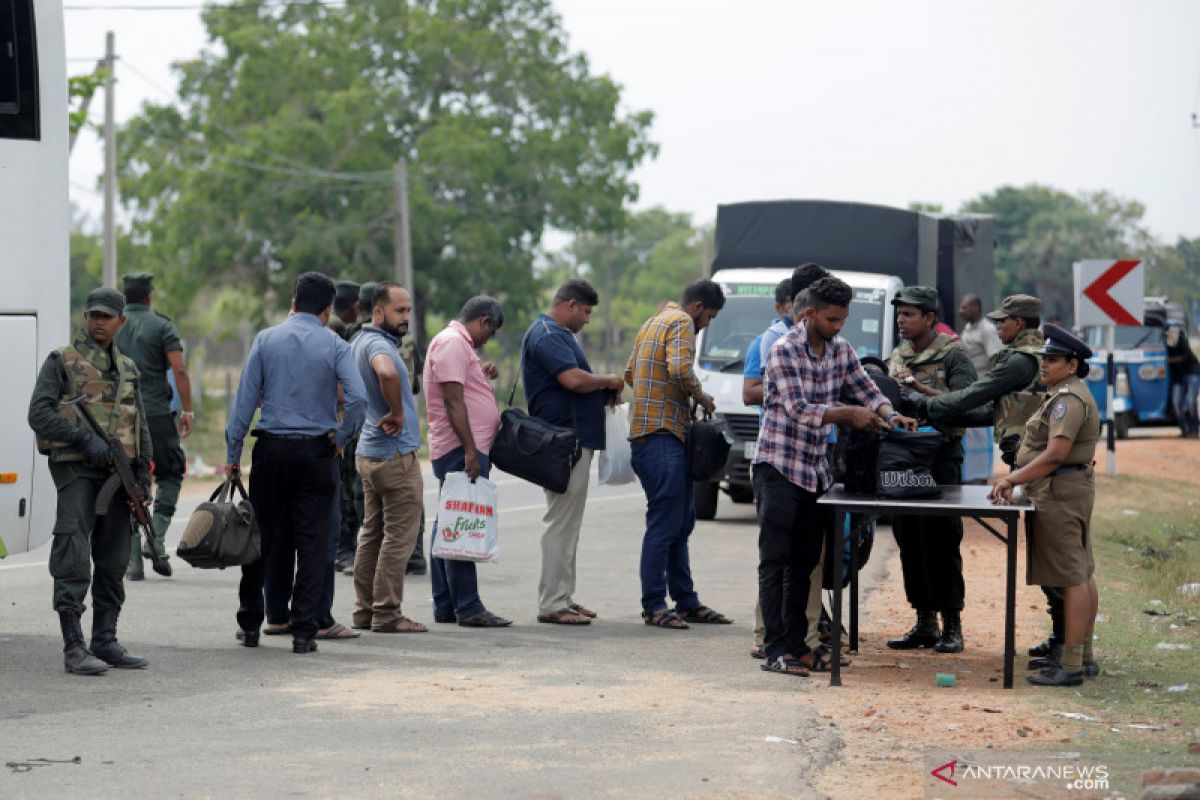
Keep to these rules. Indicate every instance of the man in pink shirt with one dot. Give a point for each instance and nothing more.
(463, 421)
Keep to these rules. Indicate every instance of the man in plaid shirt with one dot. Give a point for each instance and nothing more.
(664, 386)
(804, 375)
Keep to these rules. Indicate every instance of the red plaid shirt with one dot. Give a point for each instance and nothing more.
(798, 387)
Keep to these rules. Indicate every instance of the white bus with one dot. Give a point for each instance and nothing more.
(34, 252)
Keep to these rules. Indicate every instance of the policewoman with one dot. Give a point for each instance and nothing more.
(1054, 462)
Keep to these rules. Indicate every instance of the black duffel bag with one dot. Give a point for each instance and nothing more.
(533, 449)
(904, 464)
(222, 532)
(708, 444)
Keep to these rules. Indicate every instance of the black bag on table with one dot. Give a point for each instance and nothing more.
(533, 449)
(222, 532)
(903, 467)
(855, 453)
(708, 444)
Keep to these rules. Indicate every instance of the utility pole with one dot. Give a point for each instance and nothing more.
(109, 276)
(401, 234)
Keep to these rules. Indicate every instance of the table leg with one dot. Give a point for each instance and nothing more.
(853, 589)
(835, 547)
(1010, 601)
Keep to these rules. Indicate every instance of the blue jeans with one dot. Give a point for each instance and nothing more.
(1183, 399)
(660, 462)
(455, 585)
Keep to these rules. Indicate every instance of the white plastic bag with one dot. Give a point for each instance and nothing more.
(616, 459)
(468, 522)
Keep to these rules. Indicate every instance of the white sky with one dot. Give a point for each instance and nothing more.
(884, 102)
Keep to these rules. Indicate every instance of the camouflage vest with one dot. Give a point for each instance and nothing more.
(114, 404)
(928, 367)
(1015, 408)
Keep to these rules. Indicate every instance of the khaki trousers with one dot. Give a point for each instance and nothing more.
(392, 498)
(560, 541)
(813, 611)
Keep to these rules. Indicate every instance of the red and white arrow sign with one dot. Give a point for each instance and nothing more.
(1109, 292)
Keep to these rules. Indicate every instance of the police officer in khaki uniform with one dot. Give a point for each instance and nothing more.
(931, 364)
(153, 342)
(1055, 463)
(79, 460)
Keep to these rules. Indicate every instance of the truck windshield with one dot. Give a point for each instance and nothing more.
(749, 309)
(1128, 337)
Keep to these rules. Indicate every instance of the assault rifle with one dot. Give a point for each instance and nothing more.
(122, 477)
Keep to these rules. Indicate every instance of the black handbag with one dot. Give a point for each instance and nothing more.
(904, 464)
(222, 532)
(708, 444)
(533, 449)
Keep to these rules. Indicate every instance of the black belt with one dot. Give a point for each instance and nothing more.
(293, 437)
(1065, 468)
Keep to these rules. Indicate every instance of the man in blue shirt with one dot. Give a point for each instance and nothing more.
(387, 463)
(293, 372)
(562, 390)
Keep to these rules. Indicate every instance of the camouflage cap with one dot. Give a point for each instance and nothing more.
(106, 301)
(923, 297)
(1063, 343)
(1017, 305)
(366, 294)
(139, 280)
(346, 290)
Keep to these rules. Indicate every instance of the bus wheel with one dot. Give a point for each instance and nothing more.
(705, 500)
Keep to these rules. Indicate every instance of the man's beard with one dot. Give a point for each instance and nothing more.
(394, 330)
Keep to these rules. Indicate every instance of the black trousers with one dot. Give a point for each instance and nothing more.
(930, 554)
(292, 488)
(791, 530)
(83, 538)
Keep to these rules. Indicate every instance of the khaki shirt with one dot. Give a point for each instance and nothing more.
(1068, 410)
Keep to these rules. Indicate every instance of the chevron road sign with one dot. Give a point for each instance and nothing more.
(1109, 292)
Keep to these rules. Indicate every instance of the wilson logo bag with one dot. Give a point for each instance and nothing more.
(222, 532)
(904, 464)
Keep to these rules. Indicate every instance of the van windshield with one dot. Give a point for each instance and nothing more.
(749, 309)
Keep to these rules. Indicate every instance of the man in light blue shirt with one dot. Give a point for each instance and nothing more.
(293, 372)
(387, 463)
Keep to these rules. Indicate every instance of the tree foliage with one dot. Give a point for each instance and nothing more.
(80, 90)
(278, 156)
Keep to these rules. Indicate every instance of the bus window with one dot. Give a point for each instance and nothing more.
(19, 118)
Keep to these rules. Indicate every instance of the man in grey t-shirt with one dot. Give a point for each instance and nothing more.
(387, 463)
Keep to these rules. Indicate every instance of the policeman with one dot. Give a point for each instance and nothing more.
(92, 365)
(1005, 398)
(1055, 462)
(931, 364)
(152, 341)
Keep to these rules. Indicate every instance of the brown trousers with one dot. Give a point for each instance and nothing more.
(392, 497)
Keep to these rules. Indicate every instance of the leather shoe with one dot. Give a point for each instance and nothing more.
(1049, 659)
(303, 646)
(445, 619)
(1055, 676)
(248, 638)
(1046, 647)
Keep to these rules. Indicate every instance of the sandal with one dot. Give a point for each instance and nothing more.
(758, 652)
(565, 616)
(337, 631)
(664, 618)
(815, 662)
(485, 619)
(400, 625)
(786, 666)
(826, 654)
(585, 612)
(704, 615)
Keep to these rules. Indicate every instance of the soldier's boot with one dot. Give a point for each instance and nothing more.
(135, 570)
(924, 634)
(76, 658)
(105, 644)
(951, 640)
(158, 557)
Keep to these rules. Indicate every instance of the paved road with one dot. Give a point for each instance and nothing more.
(614, 709)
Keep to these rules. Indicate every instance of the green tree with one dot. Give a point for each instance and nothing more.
(278, 156)
(80, 90)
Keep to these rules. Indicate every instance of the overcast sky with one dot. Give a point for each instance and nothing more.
(884, 102)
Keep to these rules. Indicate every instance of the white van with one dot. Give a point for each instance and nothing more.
(721, 353)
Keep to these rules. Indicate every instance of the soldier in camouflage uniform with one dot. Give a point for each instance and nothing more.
(79, 462)
(342, 321)
(931, 364)
(152, 341)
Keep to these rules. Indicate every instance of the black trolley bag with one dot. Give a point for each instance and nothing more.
(708, 444)
(222, 531)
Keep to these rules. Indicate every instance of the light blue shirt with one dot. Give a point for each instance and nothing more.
(373, 442)
(770, 336)
(293, 371)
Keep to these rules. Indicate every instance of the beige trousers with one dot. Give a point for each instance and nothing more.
(560, 541)
(813, 611)
(392, 498)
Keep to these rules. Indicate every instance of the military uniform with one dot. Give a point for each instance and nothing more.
(147, 337)
(83, 534)
(929, 546)
(351, 491)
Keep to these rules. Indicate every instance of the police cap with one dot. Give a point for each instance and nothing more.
(106, 301)
(1017, 305)
(1063, 343)
(346, 291)
(923, 297)
(366, 294)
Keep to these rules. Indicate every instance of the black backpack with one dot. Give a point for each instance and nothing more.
(708, 444)
(855, 453)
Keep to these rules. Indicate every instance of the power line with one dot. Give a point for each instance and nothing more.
(205, 6)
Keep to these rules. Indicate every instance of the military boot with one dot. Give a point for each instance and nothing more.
(951, 640)
(1050, 658)
(158, 556)
(924, 634)
(135, 571)
(105, 644)
(76, 658)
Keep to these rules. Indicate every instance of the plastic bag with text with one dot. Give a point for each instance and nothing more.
(468, 521)
(616, 459)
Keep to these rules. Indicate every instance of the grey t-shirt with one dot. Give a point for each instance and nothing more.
(373, 442)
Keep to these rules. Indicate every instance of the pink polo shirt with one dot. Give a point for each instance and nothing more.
(452, 358)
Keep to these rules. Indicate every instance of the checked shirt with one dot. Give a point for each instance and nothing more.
(798, 388)
(660, 372)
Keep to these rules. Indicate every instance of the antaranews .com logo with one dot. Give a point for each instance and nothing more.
(996, 774)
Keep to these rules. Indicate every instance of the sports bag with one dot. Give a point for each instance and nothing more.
(855, 453)
(904, 464)
(708, 444)
(222, 532)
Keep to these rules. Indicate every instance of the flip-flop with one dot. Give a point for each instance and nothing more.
(786, 666)
(703, 615)
(338, 631)
(395, 626)
(286, 630)
(563, 617)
